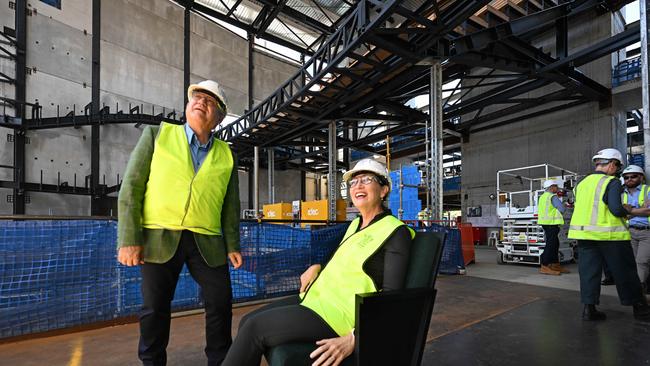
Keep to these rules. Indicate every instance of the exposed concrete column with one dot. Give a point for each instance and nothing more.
(645, 98)
(271, 172)
(331, 170)
(256, 180)
(435, 113)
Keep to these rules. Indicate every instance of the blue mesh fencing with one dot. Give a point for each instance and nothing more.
(59, 274)
(452, 252)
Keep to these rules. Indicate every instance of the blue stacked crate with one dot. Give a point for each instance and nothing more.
(411, 205)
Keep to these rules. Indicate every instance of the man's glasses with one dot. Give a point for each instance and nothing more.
(208, 100)
(635, 176)
(364, 180)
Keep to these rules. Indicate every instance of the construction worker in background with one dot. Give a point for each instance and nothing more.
(598, 223)
(635, 195)
(549, 216)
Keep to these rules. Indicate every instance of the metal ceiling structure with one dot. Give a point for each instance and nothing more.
(364, 74)
(365, 60)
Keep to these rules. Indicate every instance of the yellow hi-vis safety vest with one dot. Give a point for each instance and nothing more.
(643, 189)
(547, 214)
(332, 294)
(177, 198)
(591, 218)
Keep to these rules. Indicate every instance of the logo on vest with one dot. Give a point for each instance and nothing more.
(364, 240)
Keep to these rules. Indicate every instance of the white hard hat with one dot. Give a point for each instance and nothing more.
(368, 165)
(552, 182)
(212, 88)
(608, 154)
(633, 169)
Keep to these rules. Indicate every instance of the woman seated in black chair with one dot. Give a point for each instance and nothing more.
(373, 256)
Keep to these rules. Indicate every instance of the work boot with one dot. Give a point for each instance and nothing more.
(608, 281)
(590, 313)
(558, 267)
(548, 270)
(641, 311)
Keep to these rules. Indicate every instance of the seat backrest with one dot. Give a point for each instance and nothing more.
(426, 252)
(392, 326)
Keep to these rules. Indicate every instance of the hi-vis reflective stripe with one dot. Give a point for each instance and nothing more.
(594, 209)
(594, 215)
(599, 228)
(549, 199)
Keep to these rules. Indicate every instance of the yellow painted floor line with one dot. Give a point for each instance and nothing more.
(489, 316)
(77, 353)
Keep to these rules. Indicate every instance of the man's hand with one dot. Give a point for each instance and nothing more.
(235, 259)
(309, 276)
(333, 351)
(130, 256)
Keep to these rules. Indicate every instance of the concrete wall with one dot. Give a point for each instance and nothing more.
(141, 65)
(567, 138)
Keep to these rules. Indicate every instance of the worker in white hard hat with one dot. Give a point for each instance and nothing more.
(635, 195)
(179, 205)
(550, 212)
(373, 258)
(598, 223)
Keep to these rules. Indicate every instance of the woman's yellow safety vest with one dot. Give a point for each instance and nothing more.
(547, 214)
(591, 218)
(177, 198)
(643, 189)
(332, 294)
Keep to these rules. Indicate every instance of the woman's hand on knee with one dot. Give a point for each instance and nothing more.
(332, 351)
(309, 276)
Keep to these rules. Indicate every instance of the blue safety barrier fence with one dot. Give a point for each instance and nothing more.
(452, 252)
(59, 274)
(626, 70)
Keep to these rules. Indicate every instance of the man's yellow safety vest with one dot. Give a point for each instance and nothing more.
(591, 218)
(177, 198)
(643, 189)
(547, 214)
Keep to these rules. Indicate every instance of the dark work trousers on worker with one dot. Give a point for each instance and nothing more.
(158, 286)
(550, 254)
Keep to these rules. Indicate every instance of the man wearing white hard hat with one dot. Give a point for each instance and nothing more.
(179, 204)
(598, 223)
(635, 195)
(549, 216)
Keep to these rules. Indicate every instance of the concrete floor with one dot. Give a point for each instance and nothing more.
(495, 315)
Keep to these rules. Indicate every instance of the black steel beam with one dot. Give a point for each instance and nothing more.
(21, 89)
(301, 18)
(95, 200)
(528, 116)
(199, 8)
(251, 69)
(187, 15)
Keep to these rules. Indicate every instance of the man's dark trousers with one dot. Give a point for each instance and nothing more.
(619, 258)
(158, 286)
(552, 247)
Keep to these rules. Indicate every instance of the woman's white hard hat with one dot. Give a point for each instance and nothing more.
(368, 165)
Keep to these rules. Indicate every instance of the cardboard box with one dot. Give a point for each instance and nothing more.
(278, 211)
